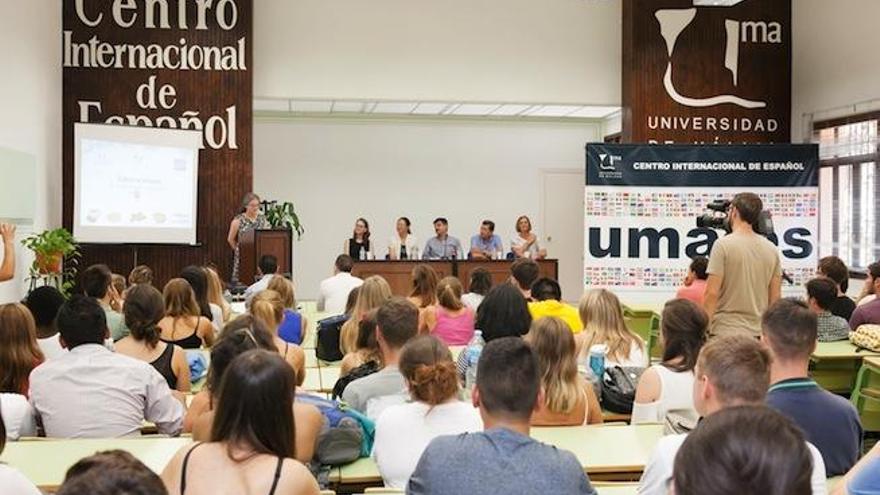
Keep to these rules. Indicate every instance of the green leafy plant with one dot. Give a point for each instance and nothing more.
(283, 216)
(56, 258)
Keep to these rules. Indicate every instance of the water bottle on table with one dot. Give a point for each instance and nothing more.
(472, 357)
(596, 367)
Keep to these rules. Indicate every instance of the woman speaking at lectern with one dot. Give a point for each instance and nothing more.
(248, 218)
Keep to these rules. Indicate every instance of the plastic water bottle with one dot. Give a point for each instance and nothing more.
(363, 254)
(415, 253)
(597, 359)
(472, 357)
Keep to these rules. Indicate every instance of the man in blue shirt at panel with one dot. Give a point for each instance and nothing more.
(486, 245)
(442, 246)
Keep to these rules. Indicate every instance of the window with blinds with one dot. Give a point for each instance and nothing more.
(848, 179)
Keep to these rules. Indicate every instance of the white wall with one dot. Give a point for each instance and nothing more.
(30, 99)
(834, 60)
(337, 171)
(451, 50)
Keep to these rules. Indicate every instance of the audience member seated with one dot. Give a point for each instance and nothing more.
(266, 269)
(424, 286)
(198, 280)
(523, 273)
(695, 281)
(96, 282)
(486, 245)
(19, 352)
(242, 335)
(604, 323)
(568, 399)
(252, 447)
(18, 415)
(669, 386)
(334, 290)
(396, 324)
(478, 286)
(732, 370)
(359, 241)
(524, 243)
(442, 246)
(221, 311)
(402, 244)
(503, 458)
(7, 236)
(367, 352)
(268, 307)
(766, 455)
(141, 274)
(119, 285)
(449, 319)
(404, 431)
(143, 310)
(828, 421)
(113, 472)
(547, 296)
(821, 297)
(503, 313)
(183, 324)
(92, 392)
(44, 303)
(864, 477)
(372, 294)
(868, 312)
(293, 326)
(12, 481)
(835, 269)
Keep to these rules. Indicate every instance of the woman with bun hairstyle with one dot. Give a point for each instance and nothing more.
(404, 431)
(144, 308)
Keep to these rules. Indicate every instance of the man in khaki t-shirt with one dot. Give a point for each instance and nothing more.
(745, 273)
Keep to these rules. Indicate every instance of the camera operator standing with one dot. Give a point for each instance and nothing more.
(745, 273)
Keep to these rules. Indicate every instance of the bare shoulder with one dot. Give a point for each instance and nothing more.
(296, 479)
(649, 386)
(307, 413)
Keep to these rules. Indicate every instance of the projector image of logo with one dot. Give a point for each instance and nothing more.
(674, 21)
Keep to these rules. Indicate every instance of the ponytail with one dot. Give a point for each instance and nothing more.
(449, 293)
(144, 307)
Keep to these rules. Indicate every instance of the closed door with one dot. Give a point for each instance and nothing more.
(562, 226)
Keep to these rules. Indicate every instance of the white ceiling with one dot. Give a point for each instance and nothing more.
(433, 108)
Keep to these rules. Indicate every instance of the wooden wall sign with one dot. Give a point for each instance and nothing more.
(172, 64)
(706, 74)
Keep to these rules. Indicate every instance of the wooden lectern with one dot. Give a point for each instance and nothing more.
(256, 243)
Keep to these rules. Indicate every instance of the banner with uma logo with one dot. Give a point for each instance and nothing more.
(641, 203)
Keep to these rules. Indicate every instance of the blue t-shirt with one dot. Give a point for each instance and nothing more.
(829, 422)
(867, 480)
(290, 329)
(496, 461)
(492, 245)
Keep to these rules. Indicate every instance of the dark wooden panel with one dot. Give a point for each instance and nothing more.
(225, 173)
(760, 54)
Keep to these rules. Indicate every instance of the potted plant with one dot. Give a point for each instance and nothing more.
(283, 216)
(50, 249)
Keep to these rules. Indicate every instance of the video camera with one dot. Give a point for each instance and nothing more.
(718, 218)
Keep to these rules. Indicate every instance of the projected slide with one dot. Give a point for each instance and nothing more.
(135, 185)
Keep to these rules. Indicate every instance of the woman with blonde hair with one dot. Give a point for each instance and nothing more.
(424, 282)
(221, 311)
(449, 319)
(19, 351)
(268, 308)
(404, 431)
(569, 399)
(293, 326)
(183, 324)
(367, 348)
(374, 291)
(602, 314)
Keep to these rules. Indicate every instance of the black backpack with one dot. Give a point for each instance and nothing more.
(361, 371)
(329, 330)
(619, 388)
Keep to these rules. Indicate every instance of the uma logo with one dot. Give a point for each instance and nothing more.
(672, 24)
(606, 161)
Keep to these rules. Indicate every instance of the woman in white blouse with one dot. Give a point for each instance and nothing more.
(669, 386)
(524, 243)
(403, 245)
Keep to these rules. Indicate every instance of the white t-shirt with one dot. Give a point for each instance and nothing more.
(676, 393)
(14, 483)
(333, 293)
(51, 347)
(658, 471)
(18, 416)
(404, 431)
(472, 300)
(636, 358)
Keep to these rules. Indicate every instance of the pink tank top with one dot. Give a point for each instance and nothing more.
(454, 330)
